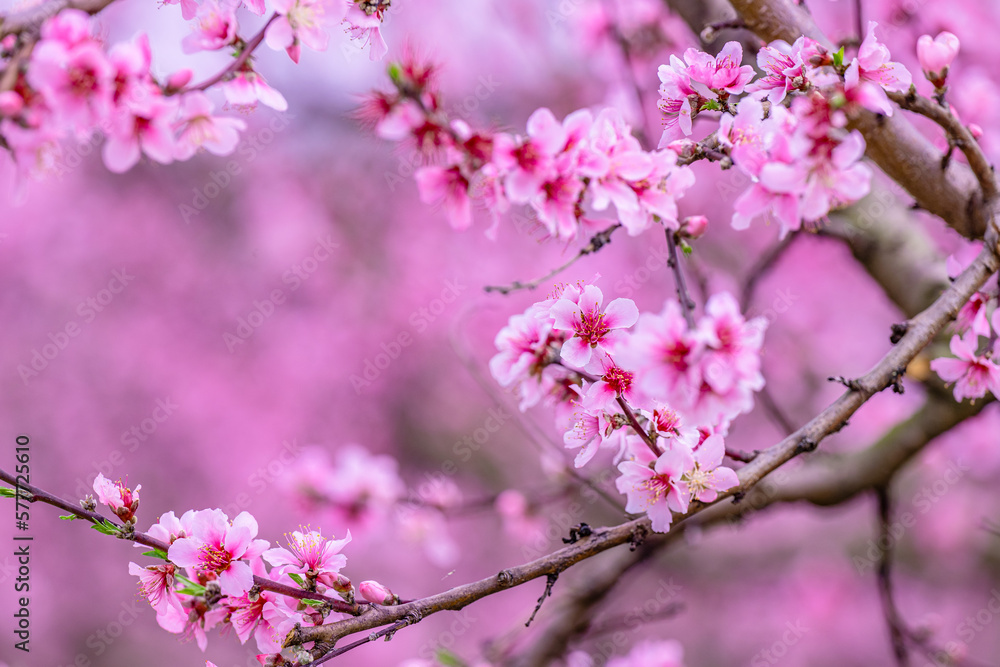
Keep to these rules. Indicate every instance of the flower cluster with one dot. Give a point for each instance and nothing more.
(975, 345)
(568, 171)
(73, 86)
(659, 392)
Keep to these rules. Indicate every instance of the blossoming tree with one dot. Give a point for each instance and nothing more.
(659, 408)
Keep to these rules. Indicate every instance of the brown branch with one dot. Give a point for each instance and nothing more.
(897, 630)
(687, 303)
(34, 494)
(921, 331)
(958, 135)
(241, 59)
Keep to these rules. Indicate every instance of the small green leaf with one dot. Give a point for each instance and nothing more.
(297, 578)
(69, 517)
(448, 659)
(7, 493)
(106, 527)
(394, 72)
(190, 587)
(313, 603)
(687, 249)
(156, 553)
(711, 105)
(838, 57)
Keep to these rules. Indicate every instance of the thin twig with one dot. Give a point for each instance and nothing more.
(687, 303)
(241, 59)
(896, 628)
(597, 242)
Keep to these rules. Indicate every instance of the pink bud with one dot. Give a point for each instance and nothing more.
(376, 593)
(937, 54)
(694, 226)
(683, 147)
(336, 581)
(10, 103)
(976, 131)
(179, 79)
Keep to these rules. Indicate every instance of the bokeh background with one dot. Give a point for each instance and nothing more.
(207, 242)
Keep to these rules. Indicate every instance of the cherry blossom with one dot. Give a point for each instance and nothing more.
(658, 489)
(123, 501)
(197, 128)
(311, 554)
(303, 22)
(718, 76)
(972, 374)
(215, 26)
(218, 546)
(247, 88)
(872, 71)
(156, 584)
(141, 127)
(376, 593)
(591, 326)
(707, 477)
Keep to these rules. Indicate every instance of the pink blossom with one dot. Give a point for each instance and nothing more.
(215, 27)
(972, 315)
(156, 584)
(197, 128)
(558, 205)
(694, 227)
(360, 487)
(376, 593)
(247, 88)
(657, 490)
(195, 618)
(707, 477)
(169, 528)
(73, 76)
(836, 180)
(665, 354)
(937, 54)
(218, 547)
(873, 71)
(720, 75)
(364, 28)
(268, 616)
(303, 21)
(591, 326)
(141, 127)
(658, 194)
(123, 501)
(621, 160)
(675, 100)
(450, 186)
(972, 374)
(130, 62)
(530, 162)
(311, 554)
(189, 8)
(784, 67)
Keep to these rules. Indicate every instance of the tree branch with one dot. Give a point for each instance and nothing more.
(921, 331)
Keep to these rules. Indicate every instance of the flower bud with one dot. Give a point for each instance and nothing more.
(936, 55)
(685, 148)
(10, 103)
(376, 593)
(336, 581)
(694, 226)
(179, 79)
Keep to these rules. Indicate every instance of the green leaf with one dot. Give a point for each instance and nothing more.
(313, 603)
(711, 105)
(394, 72)
(69, 517)
(190, 588)
(107, 528)
(448, 659)
(838, 57)
(297, 578)
(687, 249)
(156, 553)
(7, 493)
